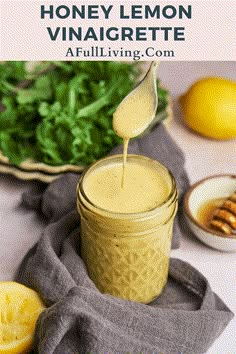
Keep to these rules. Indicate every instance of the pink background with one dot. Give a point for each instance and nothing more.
(210, 34)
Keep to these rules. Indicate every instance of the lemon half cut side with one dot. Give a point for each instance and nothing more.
(19, 311)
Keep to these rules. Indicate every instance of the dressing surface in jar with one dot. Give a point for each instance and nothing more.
(126, 232)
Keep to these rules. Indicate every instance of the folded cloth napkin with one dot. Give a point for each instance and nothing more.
(186, 318)
(60, 197)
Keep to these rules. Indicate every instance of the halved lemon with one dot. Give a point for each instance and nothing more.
(19, 311)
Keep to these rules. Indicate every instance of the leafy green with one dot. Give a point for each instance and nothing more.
(11, 72)
(63, 115)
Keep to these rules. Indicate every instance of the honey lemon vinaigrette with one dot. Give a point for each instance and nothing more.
(127, 205)
(139, 193)
(130, 188)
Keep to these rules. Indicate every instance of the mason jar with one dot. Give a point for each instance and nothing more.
(127, 254)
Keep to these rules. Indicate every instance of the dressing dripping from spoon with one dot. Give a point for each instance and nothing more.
(136, 111)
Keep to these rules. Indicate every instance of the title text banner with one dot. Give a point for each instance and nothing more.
(121, 30)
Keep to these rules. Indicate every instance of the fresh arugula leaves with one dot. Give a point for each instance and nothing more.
(64, 115)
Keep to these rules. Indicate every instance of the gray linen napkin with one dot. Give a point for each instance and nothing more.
(186, 318)
(60, 198)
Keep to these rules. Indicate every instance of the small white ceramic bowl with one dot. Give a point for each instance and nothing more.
(219, 186)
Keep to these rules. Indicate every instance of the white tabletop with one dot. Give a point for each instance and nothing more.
(20, 229)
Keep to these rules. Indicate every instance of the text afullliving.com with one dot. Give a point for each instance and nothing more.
(108, 52)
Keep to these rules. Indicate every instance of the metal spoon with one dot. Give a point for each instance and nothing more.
(137, 110)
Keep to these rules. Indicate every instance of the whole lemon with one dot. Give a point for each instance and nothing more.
(209, 107)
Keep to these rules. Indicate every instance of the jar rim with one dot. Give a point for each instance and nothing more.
(171, 195)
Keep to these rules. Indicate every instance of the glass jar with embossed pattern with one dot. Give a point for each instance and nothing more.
(127, 254)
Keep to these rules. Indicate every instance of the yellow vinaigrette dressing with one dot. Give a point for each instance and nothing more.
(140, 192)
(127, 207)
(135, 113)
